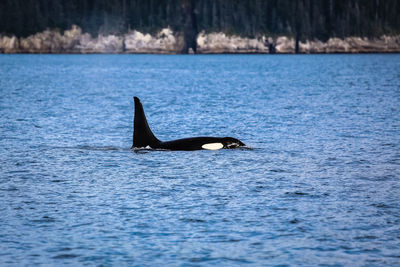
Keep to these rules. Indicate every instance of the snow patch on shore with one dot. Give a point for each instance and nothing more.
(74, 41)
(168, 42)
(222, 43)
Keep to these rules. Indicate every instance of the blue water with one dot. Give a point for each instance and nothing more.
(320, 186)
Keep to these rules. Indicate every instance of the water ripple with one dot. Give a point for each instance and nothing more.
(318, 183)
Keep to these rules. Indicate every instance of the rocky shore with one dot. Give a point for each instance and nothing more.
(168, 42)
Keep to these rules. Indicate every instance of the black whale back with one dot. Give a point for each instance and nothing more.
(142, 135)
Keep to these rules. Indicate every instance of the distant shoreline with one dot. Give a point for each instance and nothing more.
(74, 41)
(202, 54)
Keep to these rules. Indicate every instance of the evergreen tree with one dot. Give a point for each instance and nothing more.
(302, 19)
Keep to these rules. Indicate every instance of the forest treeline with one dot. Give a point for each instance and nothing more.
(303, 19)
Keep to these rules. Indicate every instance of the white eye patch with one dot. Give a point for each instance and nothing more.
(212, 146)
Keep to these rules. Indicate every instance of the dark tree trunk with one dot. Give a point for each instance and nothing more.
(189, 26)
(297, 47)
(271, 45)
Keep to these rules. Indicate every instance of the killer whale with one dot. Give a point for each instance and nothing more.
(143, 137)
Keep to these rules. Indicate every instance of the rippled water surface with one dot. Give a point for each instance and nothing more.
(320, 186)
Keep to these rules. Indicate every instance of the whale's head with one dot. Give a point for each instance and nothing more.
(230, 142)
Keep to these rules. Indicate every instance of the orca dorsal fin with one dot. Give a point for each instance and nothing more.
(142, 135)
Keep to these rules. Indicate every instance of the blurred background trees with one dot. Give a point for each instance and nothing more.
(302, 19)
